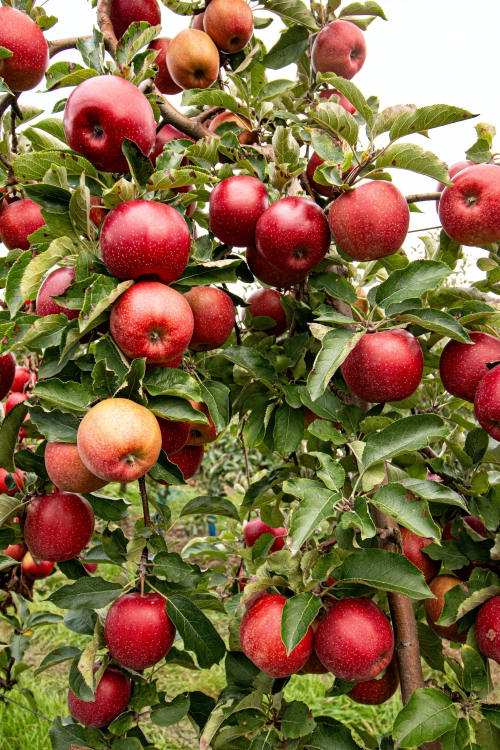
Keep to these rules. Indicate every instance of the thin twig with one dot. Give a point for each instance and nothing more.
(6, 101)
(237, 332)
(144, 498)
(245, 454)
(207, 114)
(14, 142)
(26, 708)
(59, 45)
(419, 197)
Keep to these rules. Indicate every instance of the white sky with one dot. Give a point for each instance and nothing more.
(439, 52)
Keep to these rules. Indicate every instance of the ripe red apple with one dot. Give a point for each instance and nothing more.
(58, 526)
(152, 320)
(21, 377)
(260, 638)
(36, 570)
(110, 700)
(229, 23)
(385, 366)
(193, 60)
(268, 274)
(267, 303)
(470, 209)
(313, 665)
(370, 221)
(165, 135)
(145, 238)
(67, 471)
(97, 211)
(100, 113)
(18, 477)
(30, 52)
(91, 567)
(236, 204)
(377, 691)
(255, 528)
(199, 433)
(213, 315)
(339, 48)
(13, 400)
(163, 79)
(488, 629)
(462, 366)
(16, 551)
(246, 138)
(197, 22)
(293, 235)
(188, 459)
(55, 285)
(138, 631)
(19, 219)
(314, 162)
(175, 362)
(412, 550)
(487, 403)
(433, 608)
(174, 435)
(7, 374)
(452, 171)
(119, 440)
(478, 526)
(125, 12)
(343, 101)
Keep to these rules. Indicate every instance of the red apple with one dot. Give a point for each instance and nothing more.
(339, 48)
(152, 320)
(19, 219)
(16, 551)
(144, 238)
(236, 204)
(478, 526)
(110, 700)
(355, 640)
(188, 459)
(293, 235)
(370, 221)
(36, 570)
(21, 377)
(199, 433)
(260, 638)
(267, 303)
(174, 435)
(30, 53)
(377, 691)
(268, 274)
(313, 665)
(385, 366)
(58, 526)
(119, 440)
(125, 12)
(13, 400)
(67, 471)
(433, 608)
(175, 362)
(314, 162)
(470, 209)
(197, 22)
(165, 135)
(246, 138)
(213, 315)
(163, 79)
(100, 113)
(18, 477)
(487, 403)
(193, 60)
(488, 629)
(91, 567)
(452, 171)
(97, 211)
(55, 285)
(462, 366)
(345, 103)
(229, 23)
(7, 374)
(138, 631)
(255, 528)
(412, 550)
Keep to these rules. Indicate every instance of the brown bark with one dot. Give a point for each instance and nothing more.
(105, 25)
(419, 197)
(59, 45)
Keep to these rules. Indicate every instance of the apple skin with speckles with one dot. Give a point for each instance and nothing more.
(55, 285)
(355, 640)
(152, 320)
(339, 48)
(18, 220)
(119, 440)
(67, 470)
(165, 135)
(188, 459)
(25, 69)
(174, 435)
(7, 374)
(229, 23)
(487, 403)
(199, 432)
(463, 366)
(385, 366)
(125, 12)
(100, 113)
(163, 79)
(16, 551)
(343, 101)
(413, 546)
(193, 60)
(293, 235)
(470, 208)
(236, 205)
(138, 631)
(371, 221)
(247, 137)
(267, 303)
(459, 166)
(268, 274)
(111, 700)
(488, 629)
(58, 526)
(213, 315)
(313, 665)
(433, 608)
(36, 570)
(21, 377)
(255, 528)
(145, 239)
(379, 690)
(260, 638)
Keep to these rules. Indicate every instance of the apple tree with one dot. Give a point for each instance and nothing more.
(226, 286)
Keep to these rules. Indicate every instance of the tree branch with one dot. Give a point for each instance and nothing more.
(105, 25)
(419, 197)
(59, 45)
(144, 498)
(172, 116)
(6, 101)
(207, 114)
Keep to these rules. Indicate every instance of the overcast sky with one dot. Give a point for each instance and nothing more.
(433, 51)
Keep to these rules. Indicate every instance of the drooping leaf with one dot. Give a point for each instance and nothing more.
(428, 714)
(298, 613)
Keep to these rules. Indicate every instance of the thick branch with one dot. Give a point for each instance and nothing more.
(59, 45)
(105, 25)
(419, 197)
(172, 116)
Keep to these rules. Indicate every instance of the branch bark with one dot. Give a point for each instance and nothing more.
(172, 116)
(419, 197)
(105, 25)
(59, 45)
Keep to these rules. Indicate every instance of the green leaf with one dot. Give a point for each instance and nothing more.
(316, 505)
(476, 444)
(351, 92)
(368, 8)
(288, 429)
(167, 714)
(252, 361)
(9, 432)
(87, 593)
(138, 35)
(331, 735)
(211, 272)
(434, 492)
(210, 504)
(395, 501)
(171, 566)
(386, 571)
(72, 397)
(216, 397)
(291, 10)
(335, 284)
(331, 472)
(62, 74)
(292, 43)
(430, 647)
(407, 434)
(57, 656)
(298, 613)
(214, 98)
(428, 714)
(336, 346)
(34, 165)
(140, 165)
(437, 321)
(418, 277)
(274, 88)
(286, 148)
(415, 159)
(176, 409)
(475, 677)
(167, 381)
(297, 720)
(50, 197)
(334, 119)
(196, 631)
(13, 297)
(56, 426)
(425, 118)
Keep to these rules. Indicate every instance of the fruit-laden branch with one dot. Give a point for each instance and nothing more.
(172, 116)
(419, 197)
(105, 25)
(59, 45)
